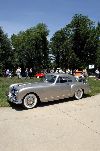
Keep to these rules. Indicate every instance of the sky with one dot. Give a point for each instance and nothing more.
(19, 15)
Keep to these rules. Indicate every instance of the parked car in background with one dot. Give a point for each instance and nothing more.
(78, 73)
(54, 86)
(39, 75)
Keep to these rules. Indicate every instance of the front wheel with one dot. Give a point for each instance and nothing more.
(78, 94)
(30, 101)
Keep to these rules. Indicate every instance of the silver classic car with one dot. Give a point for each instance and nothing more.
(54, 86)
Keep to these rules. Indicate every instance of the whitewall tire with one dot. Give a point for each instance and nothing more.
(30, 101)
(78, 94)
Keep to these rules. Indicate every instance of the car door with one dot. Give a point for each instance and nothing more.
(63, 87)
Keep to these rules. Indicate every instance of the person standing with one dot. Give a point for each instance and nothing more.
(26, 73)
(85, 73)
(30, 73)
(7, 72)
(97, 73)
(18, 72)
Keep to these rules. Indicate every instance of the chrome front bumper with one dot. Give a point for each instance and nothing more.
(13, 99)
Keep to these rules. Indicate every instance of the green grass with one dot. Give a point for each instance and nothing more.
(4, 87)
(94, 85)
(6, 82)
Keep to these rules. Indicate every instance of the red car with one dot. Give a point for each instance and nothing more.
(39, 75)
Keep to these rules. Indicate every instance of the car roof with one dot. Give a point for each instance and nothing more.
(60, 74)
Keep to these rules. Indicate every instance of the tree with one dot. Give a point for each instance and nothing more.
(56, 43)
(98, 46)
(32, 47)
(61, 48)
(6, 51)
(77, 44)
(84, 39)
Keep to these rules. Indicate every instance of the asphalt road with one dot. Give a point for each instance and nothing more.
(60, 126)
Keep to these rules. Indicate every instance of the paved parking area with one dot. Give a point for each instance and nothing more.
(60, 126)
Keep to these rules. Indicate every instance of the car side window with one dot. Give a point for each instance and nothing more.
(64, 79)
(69, 80)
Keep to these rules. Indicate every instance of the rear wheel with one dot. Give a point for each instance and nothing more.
(78, 94)
(30, 101)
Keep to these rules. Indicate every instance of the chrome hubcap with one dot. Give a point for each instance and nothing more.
(30, 100)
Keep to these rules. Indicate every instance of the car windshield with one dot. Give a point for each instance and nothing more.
(50, 78)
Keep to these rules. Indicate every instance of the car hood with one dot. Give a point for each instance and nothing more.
(19, 86)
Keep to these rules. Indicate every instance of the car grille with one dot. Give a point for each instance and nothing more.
(13, 91)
